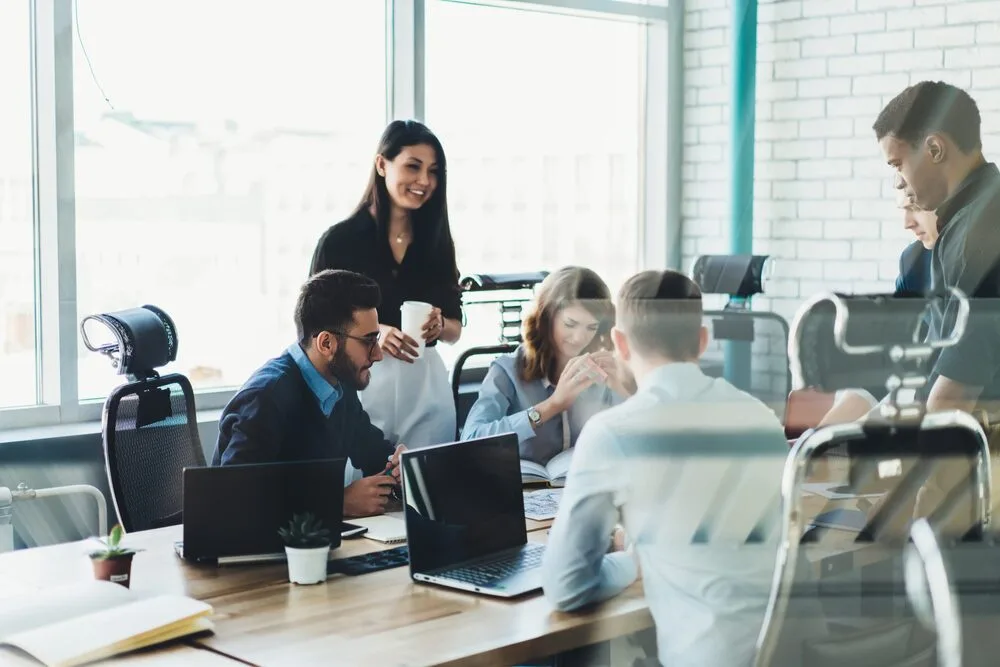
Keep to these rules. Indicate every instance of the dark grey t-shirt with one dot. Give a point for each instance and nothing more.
(967, 256)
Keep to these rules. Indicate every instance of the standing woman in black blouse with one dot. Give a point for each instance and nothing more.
(399, 236)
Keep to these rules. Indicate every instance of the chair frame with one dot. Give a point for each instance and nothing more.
(793, 522)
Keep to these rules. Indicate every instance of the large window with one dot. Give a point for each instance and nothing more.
(215, 141)
(18, 385)
(189, 154)
(541, 117)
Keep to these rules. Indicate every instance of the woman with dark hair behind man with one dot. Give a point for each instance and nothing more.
(399, 236)
(562, 374)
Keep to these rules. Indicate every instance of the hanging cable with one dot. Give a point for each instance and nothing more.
(86, 56)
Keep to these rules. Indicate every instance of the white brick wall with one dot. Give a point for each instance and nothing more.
(823, 202)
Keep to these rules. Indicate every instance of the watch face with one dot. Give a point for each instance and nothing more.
(534, 416)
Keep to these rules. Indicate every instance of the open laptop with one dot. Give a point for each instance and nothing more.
(232, 513)
(465, 518)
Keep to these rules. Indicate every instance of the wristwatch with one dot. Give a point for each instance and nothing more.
(534, 417)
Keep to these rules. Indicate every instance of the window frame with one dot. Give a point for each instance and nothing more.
(54, 211)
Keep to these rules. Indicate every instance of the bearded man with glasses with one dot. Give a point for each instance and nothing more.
(303, 404)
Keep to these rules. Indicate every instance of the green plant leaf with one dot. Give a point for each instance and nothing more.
(115, 537)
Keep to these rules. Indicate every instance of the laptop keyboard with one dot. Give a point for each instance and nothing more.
(489, 572)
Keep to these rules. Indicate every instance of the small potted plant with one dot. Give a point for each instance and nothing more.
(114, 562)
(307, 547)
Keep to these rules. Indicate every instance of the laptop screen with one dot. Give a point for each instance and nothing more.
(236, 510)
(463, 501)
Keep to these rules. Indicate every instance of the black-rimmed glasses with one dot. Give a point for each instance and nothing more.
(371, 340)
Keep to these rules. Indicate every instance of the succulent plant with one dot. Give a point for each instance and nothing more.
(112, 545)
(305, 531)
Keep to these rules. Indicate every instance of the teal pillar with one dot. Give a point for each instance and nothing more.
(741, 144)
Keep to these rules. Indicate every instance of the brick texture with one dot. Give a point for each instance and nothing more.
(823, 200)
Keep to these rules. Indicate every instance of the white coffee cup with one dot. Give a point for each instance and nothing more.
(415, 314)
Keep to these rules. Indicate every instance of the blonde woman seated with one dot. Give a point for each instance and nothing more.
(562, 374)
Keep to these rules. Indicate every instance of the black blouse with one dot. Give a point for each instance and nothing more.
(355, 245)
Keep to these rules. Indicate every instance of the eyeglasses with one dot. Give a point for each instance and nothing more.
(370, 340)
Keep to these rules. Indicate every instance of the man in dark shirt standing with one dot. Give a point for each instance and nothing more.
(304, 404)
(930, 134)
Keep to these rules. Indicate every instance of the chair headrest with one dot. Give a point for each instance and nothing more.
(843, 341)
(739, 276)
(143, 339)
(482, 282)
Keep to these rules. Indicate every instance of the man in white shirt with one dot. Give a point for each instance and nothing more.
(694, 466)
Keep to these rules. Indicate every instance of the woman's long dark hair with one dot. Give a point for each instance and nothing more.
(432, 238)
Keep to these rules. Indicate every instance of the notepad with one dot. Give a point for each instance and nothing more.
(74, 625)
(385, 528)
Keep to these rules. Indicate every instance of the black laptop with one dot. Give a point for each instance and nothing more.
(232, 513)
(464, 513)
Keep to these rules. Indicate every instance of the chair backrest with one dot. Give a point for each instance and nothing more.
(464, 400)
(937, 469)
(150, 435)
(750, 350)
(149, 425)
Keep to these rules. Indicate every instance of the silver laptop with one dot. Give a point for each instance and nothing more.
(465, 518)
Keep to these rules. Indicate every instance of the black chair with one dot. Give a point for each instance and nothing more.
(149, 427)
(508, 292)
(748, 348)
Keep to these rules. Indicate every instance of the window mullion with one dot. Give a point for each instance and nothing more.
(55, 205)
(407, 61)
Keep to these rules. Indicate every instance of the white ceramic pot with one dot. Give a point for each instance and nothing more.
(307, 566)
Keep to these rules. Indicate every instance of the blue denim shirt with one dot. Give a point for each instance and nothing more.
(326, 393)
(504, 400)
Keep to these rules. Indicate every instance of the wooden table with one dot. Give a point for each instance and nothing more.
(378, 618)
(385, 618)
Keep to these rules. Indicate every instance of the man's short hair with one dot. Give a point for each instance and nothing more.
(328, 300)
(661, 312)
(928, 107)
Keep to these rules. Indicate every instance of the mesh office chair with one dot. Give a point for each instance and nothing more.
(149, 427)
(930, 466)
(508, 292)
(747, 348)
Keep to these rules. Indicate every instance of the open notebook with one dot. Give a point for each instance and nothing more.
(553, 473)
(74, 625)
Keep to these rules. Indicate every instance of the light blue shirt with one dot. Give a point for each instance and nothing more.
(502, 407)
(327, 394)
(692, 466)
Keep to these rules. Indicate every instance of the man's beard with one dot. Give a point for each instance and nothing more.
(347, 372)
